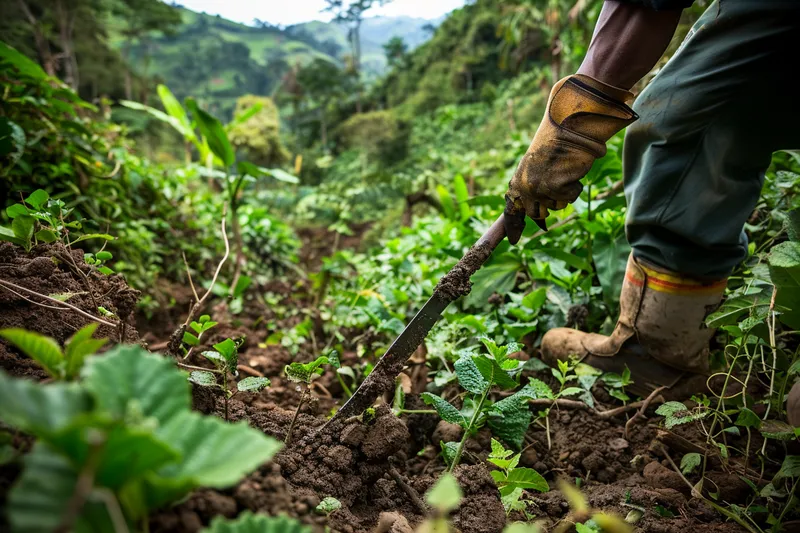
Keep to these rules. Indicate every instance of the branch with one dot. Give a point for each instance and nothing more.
(7, 284)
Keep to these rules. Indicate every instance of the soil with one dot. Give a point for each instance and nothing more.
(456, 283)
(376, 463)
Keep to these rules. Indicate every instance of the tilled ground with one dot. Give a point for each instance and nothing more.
(377, 469)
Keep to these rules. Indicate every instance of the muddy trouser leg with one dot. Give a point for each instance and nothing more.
(710, 120)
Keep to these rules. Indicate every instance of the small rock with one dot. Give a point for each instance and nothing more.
(446, 432)
(618, 444)
(392, 522)
(386, 436)
(594, 462)
(529, 457)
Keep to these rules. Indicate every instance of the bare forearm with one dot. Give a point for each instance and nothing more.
(628, 41)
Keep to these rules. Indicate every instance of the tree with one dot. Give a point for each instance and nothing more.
(395, 50)
(322, 81)
(351, 13)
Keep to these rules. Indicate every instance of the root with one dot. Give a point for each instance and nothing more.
(640, 412)
(413, 495)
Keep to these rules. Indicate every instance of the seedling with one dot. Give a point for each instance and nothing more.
(304, 373)
(676, 413)
(98, 260)
(478, 375)
(328, 505)
(513, 480)
(202, 325)
(41, 219)
(61, 364)
(616, 384)
(226, 361)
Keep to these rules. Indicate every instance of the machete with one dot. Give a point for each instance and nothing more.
(453, 285)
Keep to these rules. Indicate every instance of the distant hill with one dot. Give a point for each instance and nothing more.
(216, 59)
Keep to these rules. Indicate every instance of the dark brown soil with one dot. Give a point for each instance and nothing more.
(456, 283)
(366, 461)
(51, 269)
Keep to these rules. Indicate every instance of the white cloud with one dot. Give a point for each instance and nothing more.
(286, 12)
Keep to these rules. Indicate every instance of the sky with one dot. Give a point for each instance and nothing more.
(285, 12)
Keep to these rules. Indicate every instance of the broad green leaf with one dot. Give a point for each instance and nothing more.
(571, 391)
(40, 348)
(610, 258)
(535, 300)
(527, 478)
(252, 384)
(203, 378)
(37, 198)
(38, 500)
(247, 522)
(498, 452)
(213, 132)
(46, 235)
(676, 413)
(569, 258)
(462, 197)
(182, 128)
(449, 450)
(493, 373)
(776, 429)
(23, 228)
(732, 309)
(174, 108)
(446, 411)
(15, 210)
(790, 467)
(23, 65)
(747, 418)
(509, 419)
(79, 346)
(190, 339)
(8, 235)
(215, 454)
(445, 495)
(128, 377)
(41, 410)
(241, 285)
(689, 462)
(469, 377)
(131, 451)
(245, 115)
(793, 224)
(281, 175)
(103, 255)
(521, 527)
(86, 237)
(446, 201)
(497, 275)
(784, 270)
(229, 351)
(536, 389)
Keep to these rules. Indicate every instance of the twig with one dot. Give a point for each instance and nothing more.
(6, 284)
(200, 368)
(640, 412)
(249, 371)
(412, 494)
(189, 274)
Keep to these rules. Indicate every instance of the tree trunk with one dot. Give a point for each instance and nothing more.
(42, 44)
(66, 23)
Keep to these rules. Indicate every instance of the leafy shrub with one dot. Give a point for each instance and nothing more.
(126, 429)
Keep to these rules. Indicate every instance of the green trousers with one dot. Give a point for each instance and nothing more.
(710, 120)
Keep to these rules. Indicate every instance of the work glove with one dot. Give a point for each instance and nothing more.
(582, 115)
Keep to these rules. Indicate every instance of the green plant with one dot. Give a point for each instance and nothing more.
(98, 260)
(511, 479)
(304, 373)
(200, 327)
(40, 219)
(478, 375)
(123, 441)
(61, 364)
(225, 358)
(616, 384)
(586, 519)
(676, 413)
(328, 505)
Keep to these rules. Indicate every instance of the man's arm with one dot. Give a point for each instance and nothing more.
(629, 39)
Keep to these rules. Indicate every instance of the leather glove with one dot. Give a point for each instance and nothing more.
(582, 115)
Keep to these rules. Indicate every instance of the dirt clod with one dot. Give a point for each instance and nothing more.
(456, 283)
(446, 432)
(659, 476)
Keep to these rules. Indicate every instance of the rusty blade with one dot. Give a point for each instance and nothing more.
(383, 376)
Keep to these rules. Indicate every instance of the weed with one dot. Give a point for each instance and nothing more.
(513, 480)
(304, 373)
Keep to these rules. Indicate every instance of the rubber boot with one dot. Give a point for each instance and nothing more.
(660, 336)
(793, 405)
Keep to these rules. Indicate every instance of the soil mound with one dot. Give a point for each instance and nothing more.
(56, 271)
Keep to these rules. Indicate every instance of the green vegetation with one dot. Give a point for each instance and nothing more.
(342, 195)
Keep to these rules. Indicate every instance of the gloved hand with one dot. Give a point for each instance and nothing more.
(582, 115)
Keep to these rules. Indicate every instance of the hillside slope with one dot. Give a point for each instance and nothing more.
(218, 60)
